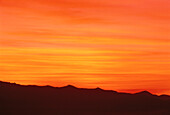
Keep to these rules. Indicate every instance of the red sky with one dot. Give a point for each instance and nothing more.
(122, 45)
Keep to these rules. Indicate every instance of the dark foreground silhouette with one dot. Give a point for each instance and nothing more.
(46, 100)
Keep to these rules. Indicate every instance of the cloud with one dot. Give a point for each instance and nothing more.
(87, 37)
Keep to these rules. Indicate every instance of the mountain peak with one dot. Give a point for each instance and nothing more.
(70, 86)
(144, 93)
(98, 88)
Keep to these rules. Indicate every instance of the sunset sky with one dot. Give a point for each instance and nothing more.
(123, 45)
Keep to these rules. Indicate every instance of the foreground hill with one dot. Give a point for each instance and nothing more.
(46, 100)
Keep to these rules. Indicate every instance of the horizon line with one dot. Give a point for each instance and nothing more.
(70, 85)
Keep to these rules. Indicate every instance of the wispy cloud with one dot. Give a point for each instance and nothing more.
(86, 43)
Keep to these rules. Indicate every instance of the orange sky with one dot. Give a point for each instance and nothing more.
(122, 45)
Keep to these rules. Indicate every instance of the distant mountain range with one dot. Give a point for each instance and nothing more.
(18, 99)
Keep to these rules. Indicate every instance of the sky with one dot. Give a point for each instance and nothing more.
(122, 45)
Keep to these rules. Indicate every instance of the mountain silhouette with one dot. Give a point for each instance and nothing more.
(18, 99)
(144, 93)
(69, 87)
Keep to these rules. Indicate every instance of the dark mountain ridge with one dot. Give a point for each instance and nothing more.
(18, 99)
